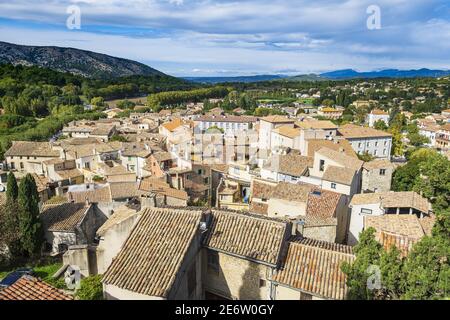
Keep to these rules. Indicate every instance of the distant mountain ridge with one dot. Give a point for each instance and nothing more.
(245, 79)
(387, 73)
(345, 74)
(80, 62)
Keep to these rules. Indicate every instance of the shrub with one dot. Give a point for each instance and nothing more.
(91, 288)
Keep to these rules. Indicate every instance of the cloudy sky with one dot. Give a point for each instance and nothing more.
(241, 37)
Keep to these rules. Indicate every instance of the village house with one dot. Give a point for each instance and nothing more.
(377, 176)
(64, 172)
(230, 125)
(177, 131)
(211, 255)
(322, 261)
(368, 140)
(134, 156)
(108, 197)
(443, 138)
(401, 231)
(322, 214)
(286, 137)
(329, 113)
(112, 234)
(429, 130)
(335, 171)
(377, 115)
(155, 192)
(70, 224)
(164, 260)
(384, 203)
(286, 168)
(25, 156)
(336, 144)
(267, 125)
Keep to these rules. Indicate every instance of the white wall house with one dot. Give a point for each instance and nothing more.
(231, 125)
(376, 115)
(367, 140)
(267, 124)
(429, 132)
(377, 204)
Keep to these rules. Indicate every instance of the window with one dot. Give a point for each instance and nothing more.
(213, 261)
(21, 165)
(206, 180)
(384, 151)
(382, 172)
(359, 145)
(368, 144)
(262, 283)
(322, 165)
(13, 166)
(333, 186)
(376, 144)
(375, 152)
(366, 211)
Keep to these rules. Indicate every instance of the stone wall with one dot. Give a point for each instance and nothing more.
(236, 278)
(372, 181)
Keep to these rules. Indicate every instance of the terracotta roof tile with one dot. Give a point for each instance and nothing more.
(246, 235)
(393, 200)
(32, 149)
(152, 255)
(290, 164)
(30, 288)
(63, 217)
(339, 175)
(314, 267)
(352, 131)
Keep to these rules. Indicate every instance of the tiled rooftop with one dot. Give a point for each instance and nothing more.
(63, 217)
(30, 288)
(152, 255)
(249, 236)
(314, 267)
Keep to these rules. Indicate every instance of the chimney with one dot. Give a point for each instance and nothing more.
(298, 227)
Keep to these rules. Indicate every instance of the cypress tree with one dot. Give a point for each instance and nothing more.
(29, 223)
(12, 190)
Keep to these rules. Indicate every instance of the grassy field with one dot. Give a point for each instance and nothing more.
(306, 100)
(44, 272)
(276, 101)
(138, 101)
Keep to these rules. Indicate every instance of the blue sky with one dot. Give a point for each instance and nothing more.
(227, 38)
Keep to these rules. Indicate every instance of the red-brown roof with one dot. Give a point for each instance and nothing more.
(30, 288)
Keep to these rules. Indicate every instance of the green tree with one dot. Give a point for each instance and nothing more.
(9, 227)
(366, 157)
(428, 269)
(98, 101)
(12, 190)
(91, 288)
(380, 125)
(368, 253)
(328, 102)
(30, 226)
